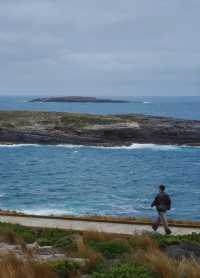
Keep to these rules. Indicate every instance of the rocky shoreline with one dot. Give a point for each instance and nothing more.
(28, 127)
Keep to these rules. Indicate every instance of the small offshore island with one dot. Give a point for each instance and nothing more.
(37, 127)
(78, 99)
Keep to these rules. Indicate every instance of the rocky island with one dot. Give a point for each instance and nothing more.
(18, 127)
(78, 99)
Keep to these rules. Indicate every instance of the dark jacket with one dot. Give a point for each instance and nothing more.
(162, 202)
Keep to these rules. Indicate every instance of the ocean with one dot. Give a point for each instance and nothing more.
(120, 181)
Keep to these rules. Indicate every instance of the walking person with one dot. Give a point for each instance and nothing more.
(162, 203)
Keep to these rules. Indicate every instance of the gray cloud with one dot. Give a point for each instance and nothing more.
(98, 47)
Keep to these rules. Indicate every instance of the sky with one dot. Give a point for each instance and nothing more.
(99, 47)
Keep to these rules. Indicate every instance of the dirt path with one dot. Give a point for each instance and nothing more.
(85, 225)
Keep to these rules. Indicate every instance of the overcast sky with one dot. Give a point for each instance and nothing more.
(100, 47)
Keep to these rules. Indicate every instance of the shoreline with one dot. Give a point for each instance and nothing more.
(118, 147)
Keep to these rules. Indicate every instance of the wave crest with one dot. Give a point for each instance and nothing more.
(18, 145)
(134, 146)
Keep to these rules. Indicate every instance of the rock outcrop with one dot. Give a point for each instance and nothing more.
(184, 250)
(37, 253)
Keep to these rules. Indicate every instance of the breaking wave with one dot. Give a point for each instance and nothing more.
(18, 145)
(48, 212)
(134, 146)
(137, 146)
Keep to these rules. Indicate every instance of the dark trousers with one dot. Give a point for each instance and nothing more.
(162, 219)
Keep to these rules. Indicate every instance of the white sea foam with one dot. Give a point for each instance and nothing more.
(133, 146)
(69, 146)
(18, 145)
(137, 146)
(60, 212)
(153, 147)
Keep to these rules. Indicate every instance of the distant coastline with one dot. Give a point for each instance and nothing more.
(78, 99)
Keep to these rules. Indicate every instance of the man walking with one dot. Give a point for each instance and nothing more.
(162, 203)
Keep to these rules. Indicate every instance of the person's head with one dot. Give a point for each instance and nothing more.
(162, 188)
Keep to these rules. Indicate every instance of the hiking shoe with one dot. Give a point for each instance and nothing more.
(168, 232)
(154, 227)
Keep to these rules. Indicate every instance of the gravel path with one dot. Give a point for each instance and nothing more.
(84, 225)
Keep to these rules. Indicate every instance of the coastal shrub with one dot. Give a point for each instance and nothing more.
(111, 248)
(164, 241)
(65, 269)
(53, 237)
(125, 271)
(65, 242)
(50, 236)
(27, 234)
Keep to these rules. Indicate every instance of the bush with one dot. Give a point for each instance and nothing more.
(164, 241)
(110, 249)
(50, 236)
(53, 237)
(65, 243)
(125, 271)
(65, 269)
(24, 233)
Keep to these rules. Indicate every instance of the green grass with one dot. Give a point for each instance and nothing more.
(125, 271)
(107, 256)
(54, 120)
(111, 248)
(86, 120)
(53, 237)
(164, 241)
(65, 269)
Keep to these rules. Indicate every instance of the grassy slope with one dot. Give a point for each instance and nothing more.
(108, 256)
(23, 120)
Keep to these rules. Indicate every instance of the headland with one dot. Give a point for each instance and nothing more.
(35, 127)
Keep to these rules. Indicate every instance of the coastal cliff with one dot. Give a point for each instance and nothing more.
(93, 130)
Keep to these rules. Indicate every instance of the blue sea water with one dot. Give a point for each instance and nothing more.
(179, 107)
(122, 181)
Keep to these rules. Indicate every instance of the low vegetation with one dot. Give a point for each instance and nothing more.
(105, 255)
(82, 121)
(25, 120)
(12, 267)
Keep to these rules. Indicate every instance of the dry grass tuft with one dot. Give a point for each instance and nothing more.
(11, 238)
(98, 236)
(12, 267)
(143, 242)
(188, 269)
(86, 252)
(160, 263)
